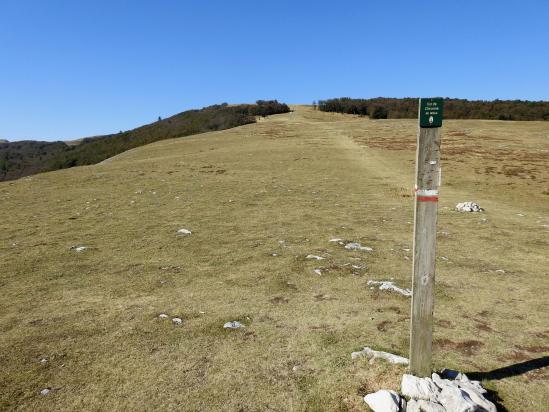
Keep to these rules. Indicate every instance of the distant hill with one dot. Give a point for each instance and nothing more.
(18, 159)
(392, 108)
(4, 141)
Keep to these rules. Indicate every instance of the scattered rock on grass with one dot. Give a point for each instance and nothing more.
(314, 257)
(163, 316)
(79, 248)
(233, 325)
(45, 391)
(184, 232)
(318, 272)
(468, 207)
(388, 285)
(357, 246)
(374, 354)
(177, 321)
(385, 401)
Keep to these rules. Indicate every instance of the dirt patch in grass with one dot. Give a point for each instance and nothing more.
(534, 349)
(443, 323)
(394, 309)
(383, 326)
(467, 347)
(277, 300)
(484, 327)
(321, 297)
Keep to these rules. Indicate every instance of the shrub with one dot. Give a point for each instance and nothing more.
(377, 112)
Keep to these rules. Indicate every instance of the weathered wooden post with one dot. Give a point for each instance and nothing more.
(425, 232)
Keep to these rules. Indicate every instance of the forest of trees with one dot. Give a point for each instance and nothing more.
(24, 158)
(393, 108)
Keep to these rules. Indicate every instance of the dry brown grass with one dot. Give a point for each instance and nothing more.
(301, 178)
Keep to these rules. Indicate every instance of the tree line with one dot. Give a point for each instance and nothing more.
(18, 159)
(407, 108)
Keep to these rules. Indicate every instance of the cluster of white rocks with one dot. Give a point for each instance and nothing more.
(350, 245)
(468, 207)
(450, 391)
(176, 321)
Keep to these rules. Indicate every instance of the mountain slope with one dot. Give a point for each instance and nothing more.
(24, 158)
(258, 199)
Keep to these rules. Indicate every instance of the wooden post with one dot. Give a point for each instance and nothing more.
(425, 223)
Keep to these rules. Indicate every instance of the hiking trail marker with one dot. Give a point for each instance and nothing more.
(428, 176)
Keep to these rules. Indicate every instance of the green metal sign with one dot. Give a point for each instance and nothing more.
(430, 112)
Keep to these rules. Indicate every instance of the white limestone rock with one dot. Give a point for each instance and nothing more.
(385, 401)
(79, 248)
(314, 257)
(45, 391)
(479, 399)
(234, 324)
(357, 246)
(419, 388)
(468, 207)
(421, 405)
(389, 285)
(374, 354)
(456, 400)
(473, 389)
(440, 382)
(177, 321)
(163, 316)
(184, 232)
(474, 385)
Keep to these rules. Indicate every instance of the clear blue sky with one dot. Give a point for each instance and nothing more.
(79, 68)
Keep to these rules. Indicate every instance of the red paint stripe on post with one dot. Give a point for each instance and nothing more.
(427, 198)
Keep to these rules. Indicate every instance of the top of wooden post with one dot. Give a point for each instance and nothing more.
(430, 112)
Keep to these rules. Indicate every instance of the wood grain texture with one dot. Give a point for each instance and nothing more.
(425, 222)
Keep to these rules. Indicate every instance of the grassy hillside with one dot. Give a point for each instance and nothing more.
(258, 199)
(407, 108)
(24, 158)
